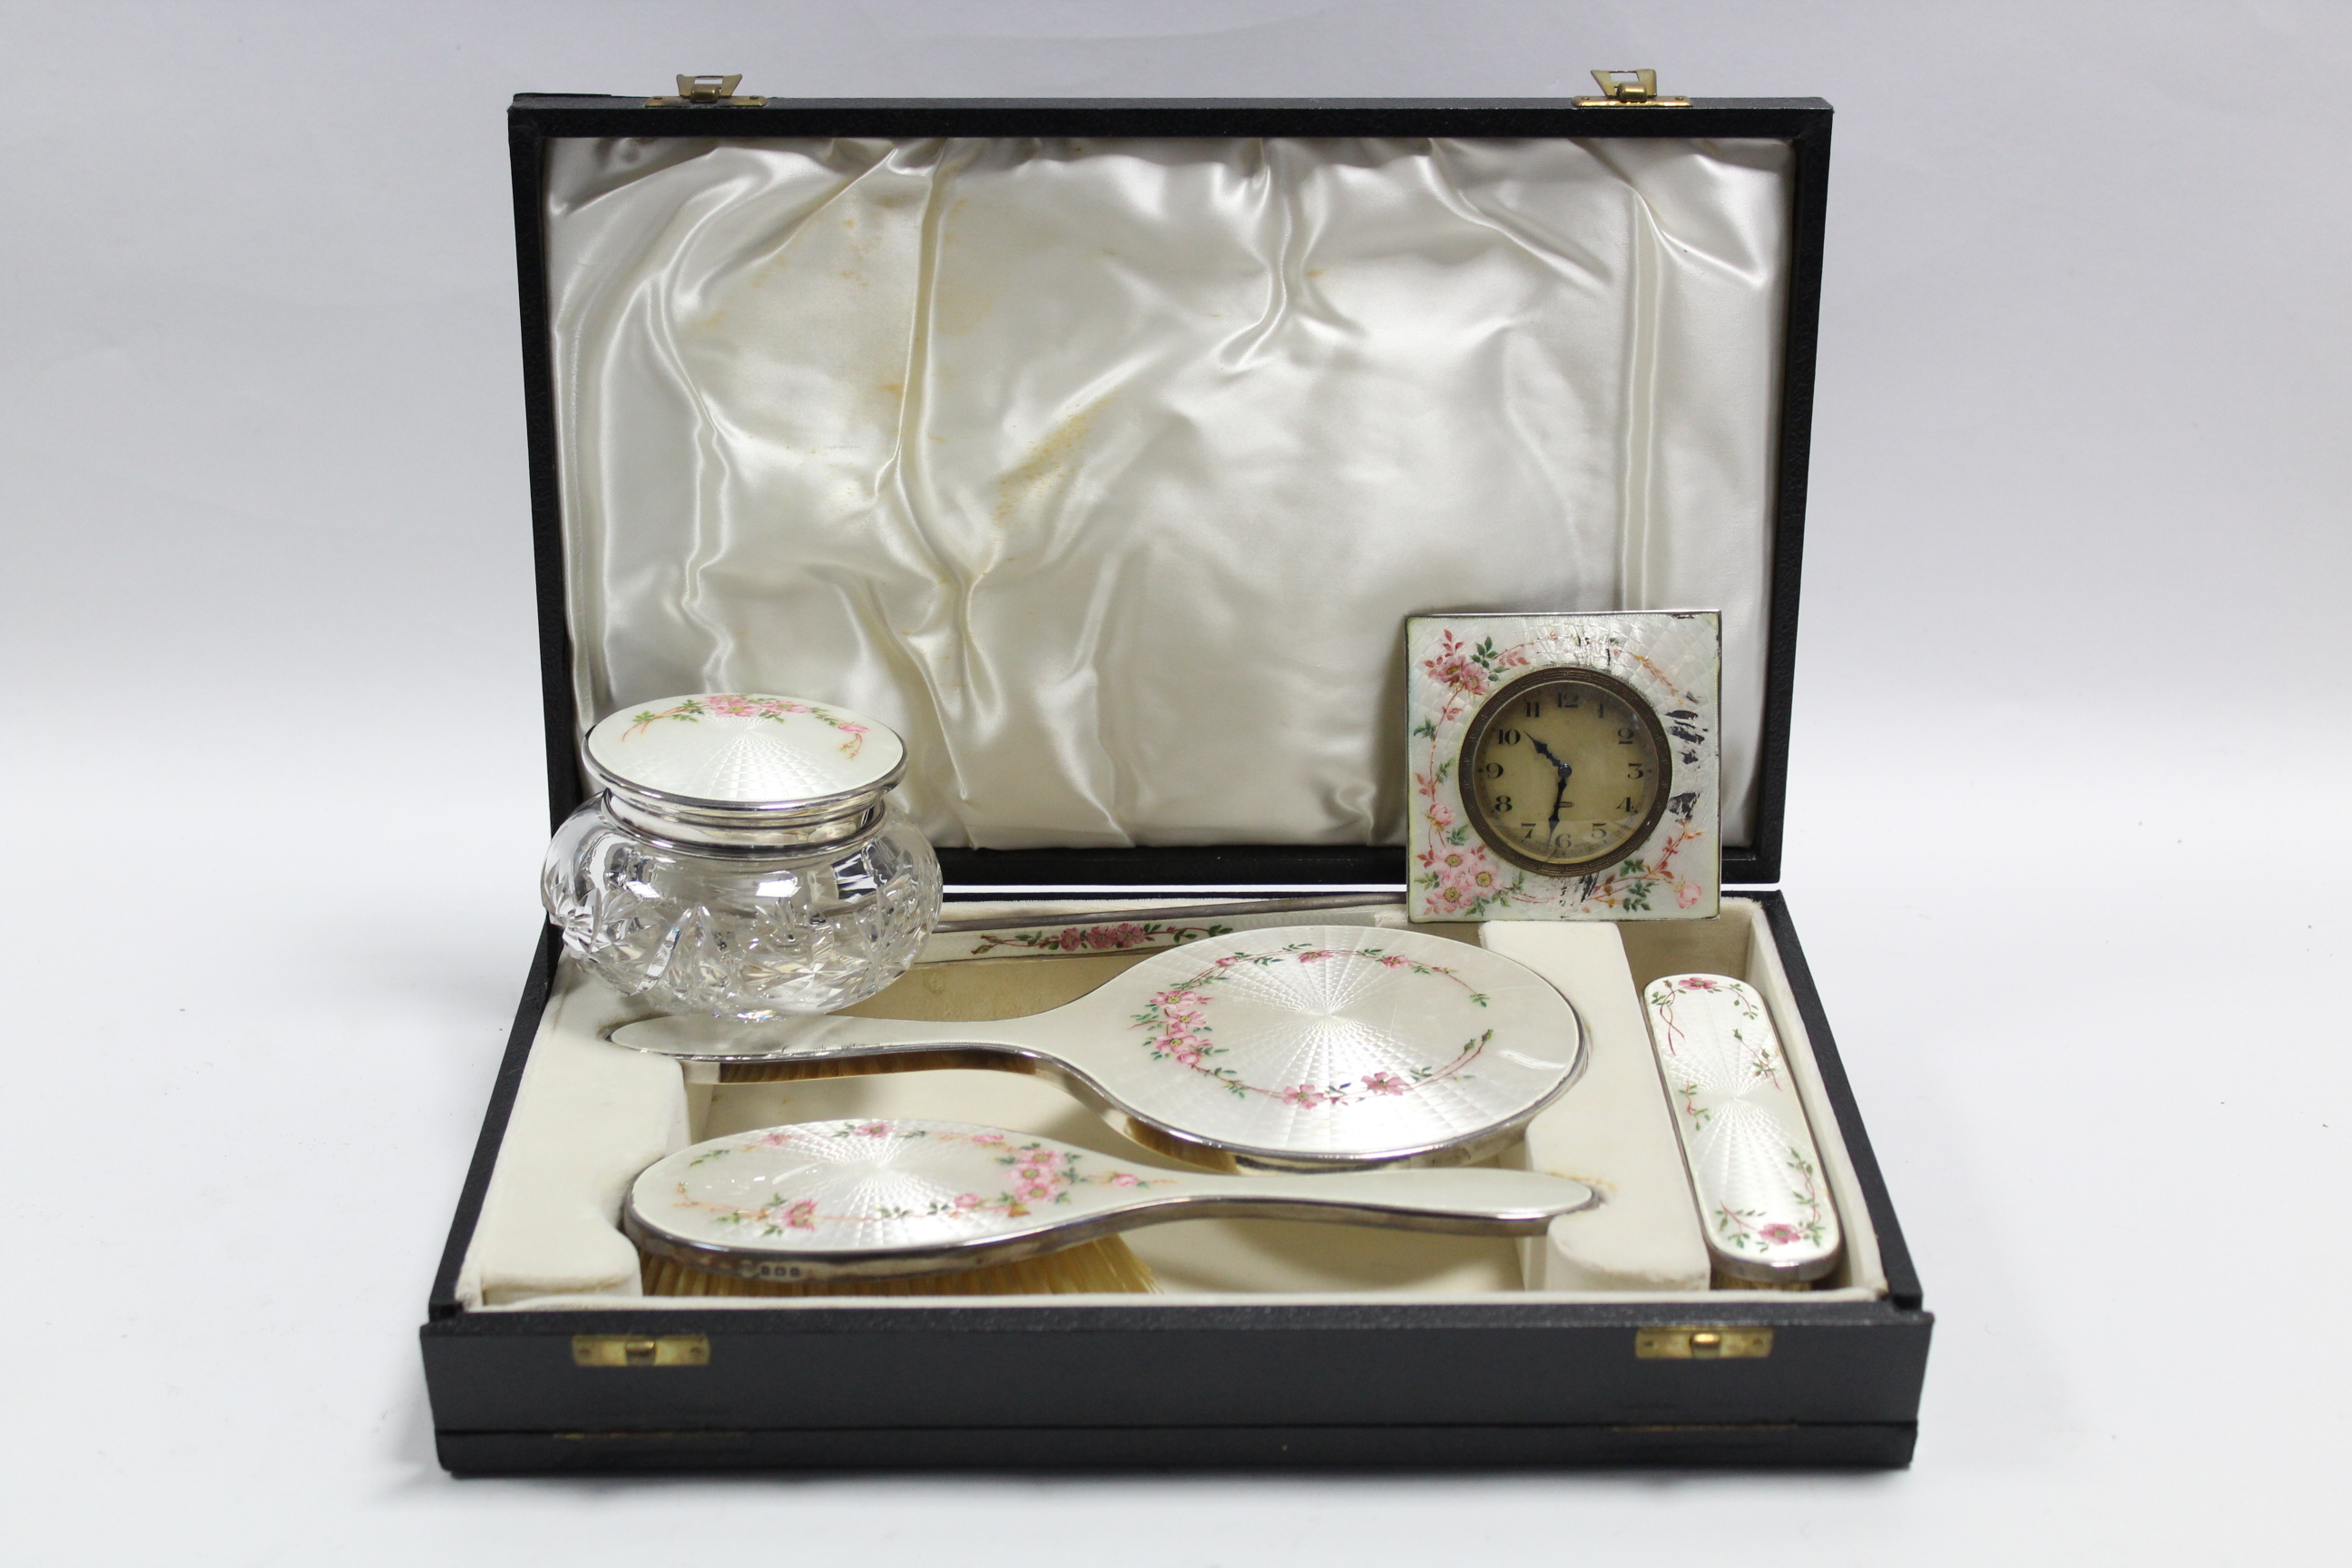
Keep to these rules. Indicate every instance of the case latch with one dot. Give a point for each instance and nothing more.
(706, 89)
(1703, 1342)
(640, 1349)
(1622, 89)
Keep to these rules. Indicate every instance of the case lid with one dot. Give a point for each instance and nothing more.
(1101, 449)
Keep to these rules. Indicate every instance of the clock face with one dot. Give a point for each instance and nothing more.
(1563, 771)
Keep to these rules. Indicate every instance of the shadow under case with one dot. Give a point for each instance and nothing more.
(1101, 449)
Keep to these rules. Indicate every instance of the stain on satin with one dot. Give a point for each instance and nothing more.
(964, 293)
(1048, 464)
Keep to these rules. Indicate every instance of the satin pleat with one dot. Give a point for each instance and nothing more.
(1108, 471)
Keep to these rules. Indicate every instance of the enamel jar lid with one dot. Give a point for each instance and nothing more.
(719, 765)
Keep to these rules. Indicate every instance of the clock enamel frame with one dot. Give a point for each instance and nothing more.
(1465, 671)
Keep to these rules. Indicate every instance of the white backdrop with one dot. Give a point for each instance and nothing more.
(2066, 835)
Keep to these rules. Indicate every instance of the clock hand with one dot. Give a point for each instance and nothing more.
(1560, 794)
(1544, 753)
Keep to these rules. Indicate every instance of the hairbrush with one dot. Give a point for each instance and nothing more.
(886, 1199)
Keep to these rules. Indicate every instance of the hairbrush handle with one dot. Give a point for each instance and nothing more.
(699, 1037)
(1463, 1202)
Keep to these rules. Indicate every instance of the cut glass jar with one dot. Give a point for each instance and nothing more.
(743, 859)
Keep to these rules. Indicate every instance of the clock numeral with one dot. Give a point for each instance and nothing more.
(1562, 697)
(1502, 803)
(1625, 736)
(1634, 771)
(1508, 737)
(1625, 804)
(1493, 770)
(1535, 707)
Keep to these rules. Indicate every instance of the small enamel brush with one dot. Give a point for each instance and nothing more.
(1753, 1164)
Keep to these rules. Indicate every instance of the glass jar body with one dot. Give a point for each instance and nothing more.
(749, 934)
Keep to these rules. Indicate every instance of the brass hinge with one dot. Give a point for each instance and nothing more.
(640, 1349)
(706, 89)
(1702, 1342)
(1639, 93)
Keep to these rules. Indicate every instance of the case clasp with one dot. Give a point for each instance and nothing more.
(640, 1349)
(1702, 1342)
(706, 89)
(1627, 90)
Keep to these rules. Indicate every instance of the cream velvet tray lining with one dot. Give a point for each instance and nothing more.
(1106, 471)
(589, 1115)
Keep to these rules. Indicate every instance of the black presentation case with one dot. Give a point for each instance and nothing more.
(1481, 1383)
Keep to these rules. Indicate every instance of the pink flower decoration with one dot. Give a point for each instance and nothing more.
(1456, 672)
(1384, 1083)
(1695, 983)
(1317, 956)
(1394, 961)
(1034, 1176)
(1122, 1179)
(873, 1129)
(988, 1137)
(967, 1200)
(1783, 1233)
(802, 1216)
(1188, 1056)
(1687, 896)
(1304, 1095)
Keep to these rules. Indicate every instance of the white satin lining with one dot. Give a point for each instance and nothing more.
(1106, 472)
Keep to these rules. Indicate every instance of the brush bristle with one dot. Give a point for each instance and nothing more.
(1104, 1266)
(1723, 1281)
